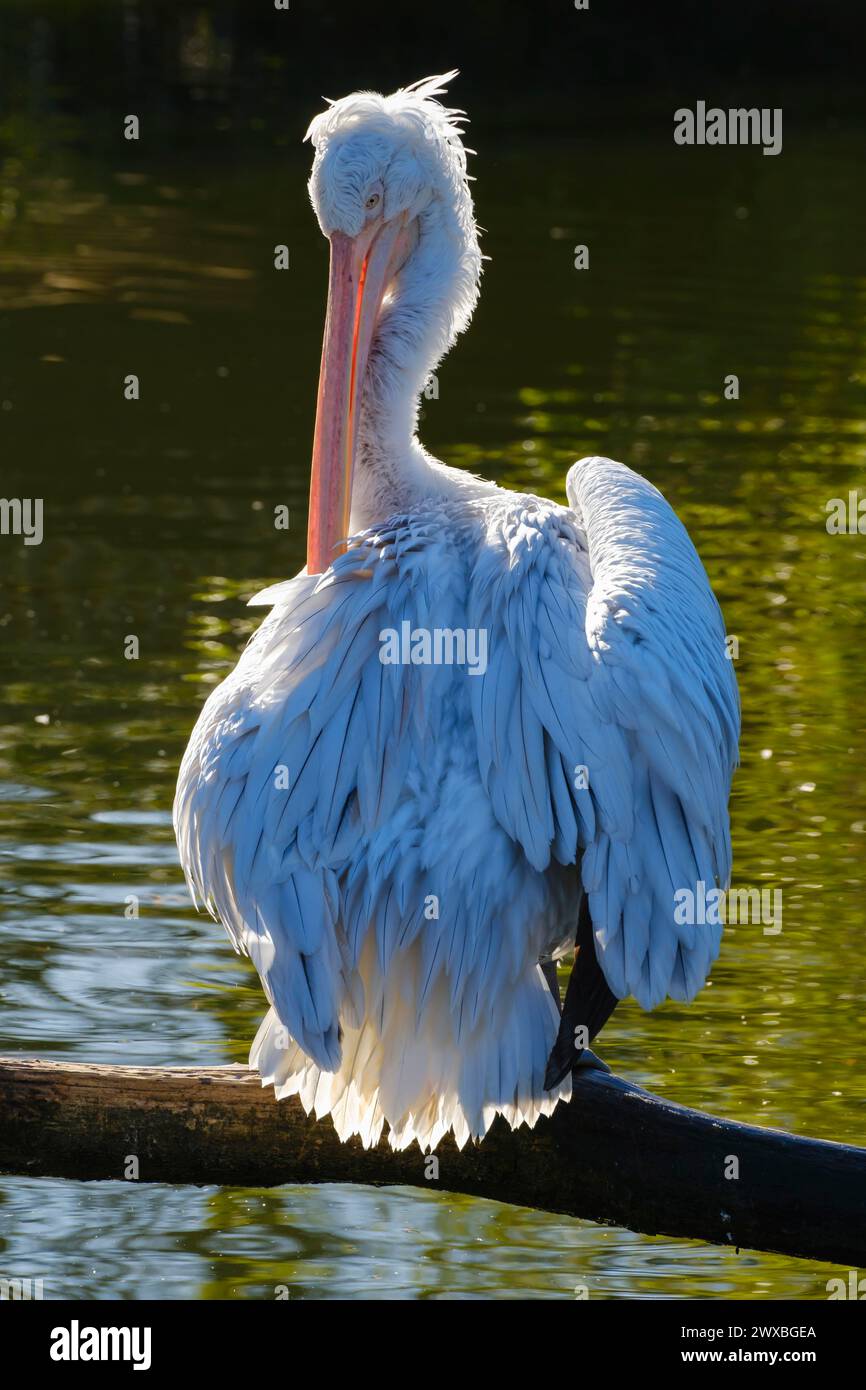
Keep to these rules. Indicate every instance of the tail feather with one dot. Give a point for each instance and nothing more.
(422, 1082)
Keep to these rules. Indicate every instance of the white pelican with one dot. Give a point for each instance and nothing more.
(397, 825)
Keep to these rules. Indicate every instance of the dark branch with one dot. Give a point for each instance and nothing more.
(616, 1154)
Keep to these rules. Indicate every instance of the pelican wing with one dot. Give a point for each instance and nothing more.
(607, 720)
(605, 729)
(295, 760)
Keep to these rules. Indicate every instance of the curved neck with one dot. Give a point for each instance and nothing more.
(430, 302)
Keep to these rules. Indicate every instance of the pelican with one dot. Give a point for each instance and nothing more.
(480, 731)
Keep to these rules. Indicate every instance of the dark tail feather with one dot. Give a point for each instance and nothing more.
(588, 1003)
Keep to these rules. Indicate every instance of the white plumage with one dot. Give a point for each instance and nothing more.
(397, 845)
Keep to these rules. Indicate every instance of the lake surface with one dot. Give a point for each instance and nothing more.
(159, 523)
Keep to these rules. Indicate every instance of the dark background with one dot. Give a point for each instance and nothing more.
(531, 65)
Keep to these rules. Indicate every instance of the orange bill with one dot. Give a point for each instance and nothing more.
(361, 270)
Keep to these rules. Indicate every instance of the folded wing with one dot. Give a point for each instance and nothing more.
(607, 721)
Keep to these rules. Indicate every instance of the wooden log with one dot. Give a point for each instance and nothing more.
(615, 1154)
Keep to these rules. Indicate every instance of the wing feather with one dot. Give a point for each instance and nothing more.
(606, 651)
(296, 761)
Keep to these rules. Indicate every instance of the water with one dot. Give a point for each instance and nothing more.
(159, 523)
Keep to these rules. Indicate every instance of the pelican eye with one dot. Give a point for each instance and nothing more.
(373, 201)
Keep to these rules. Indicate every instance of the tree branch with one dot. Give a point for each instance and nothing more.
(616, 1154)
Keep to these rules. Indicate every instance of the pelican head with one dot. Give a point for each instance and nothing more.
(390, 192)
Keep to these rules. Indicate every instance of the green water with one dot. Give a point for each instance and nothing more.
(159, 523)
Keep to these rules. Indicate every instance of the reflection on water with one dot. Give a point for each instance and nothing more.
(159, 522)
(91, 1240)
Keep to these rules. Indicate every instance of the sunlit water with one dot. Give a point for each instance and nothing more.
(159, 523)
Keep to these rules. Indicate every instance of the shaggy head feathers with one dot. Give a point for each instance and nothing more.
(406, 146)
